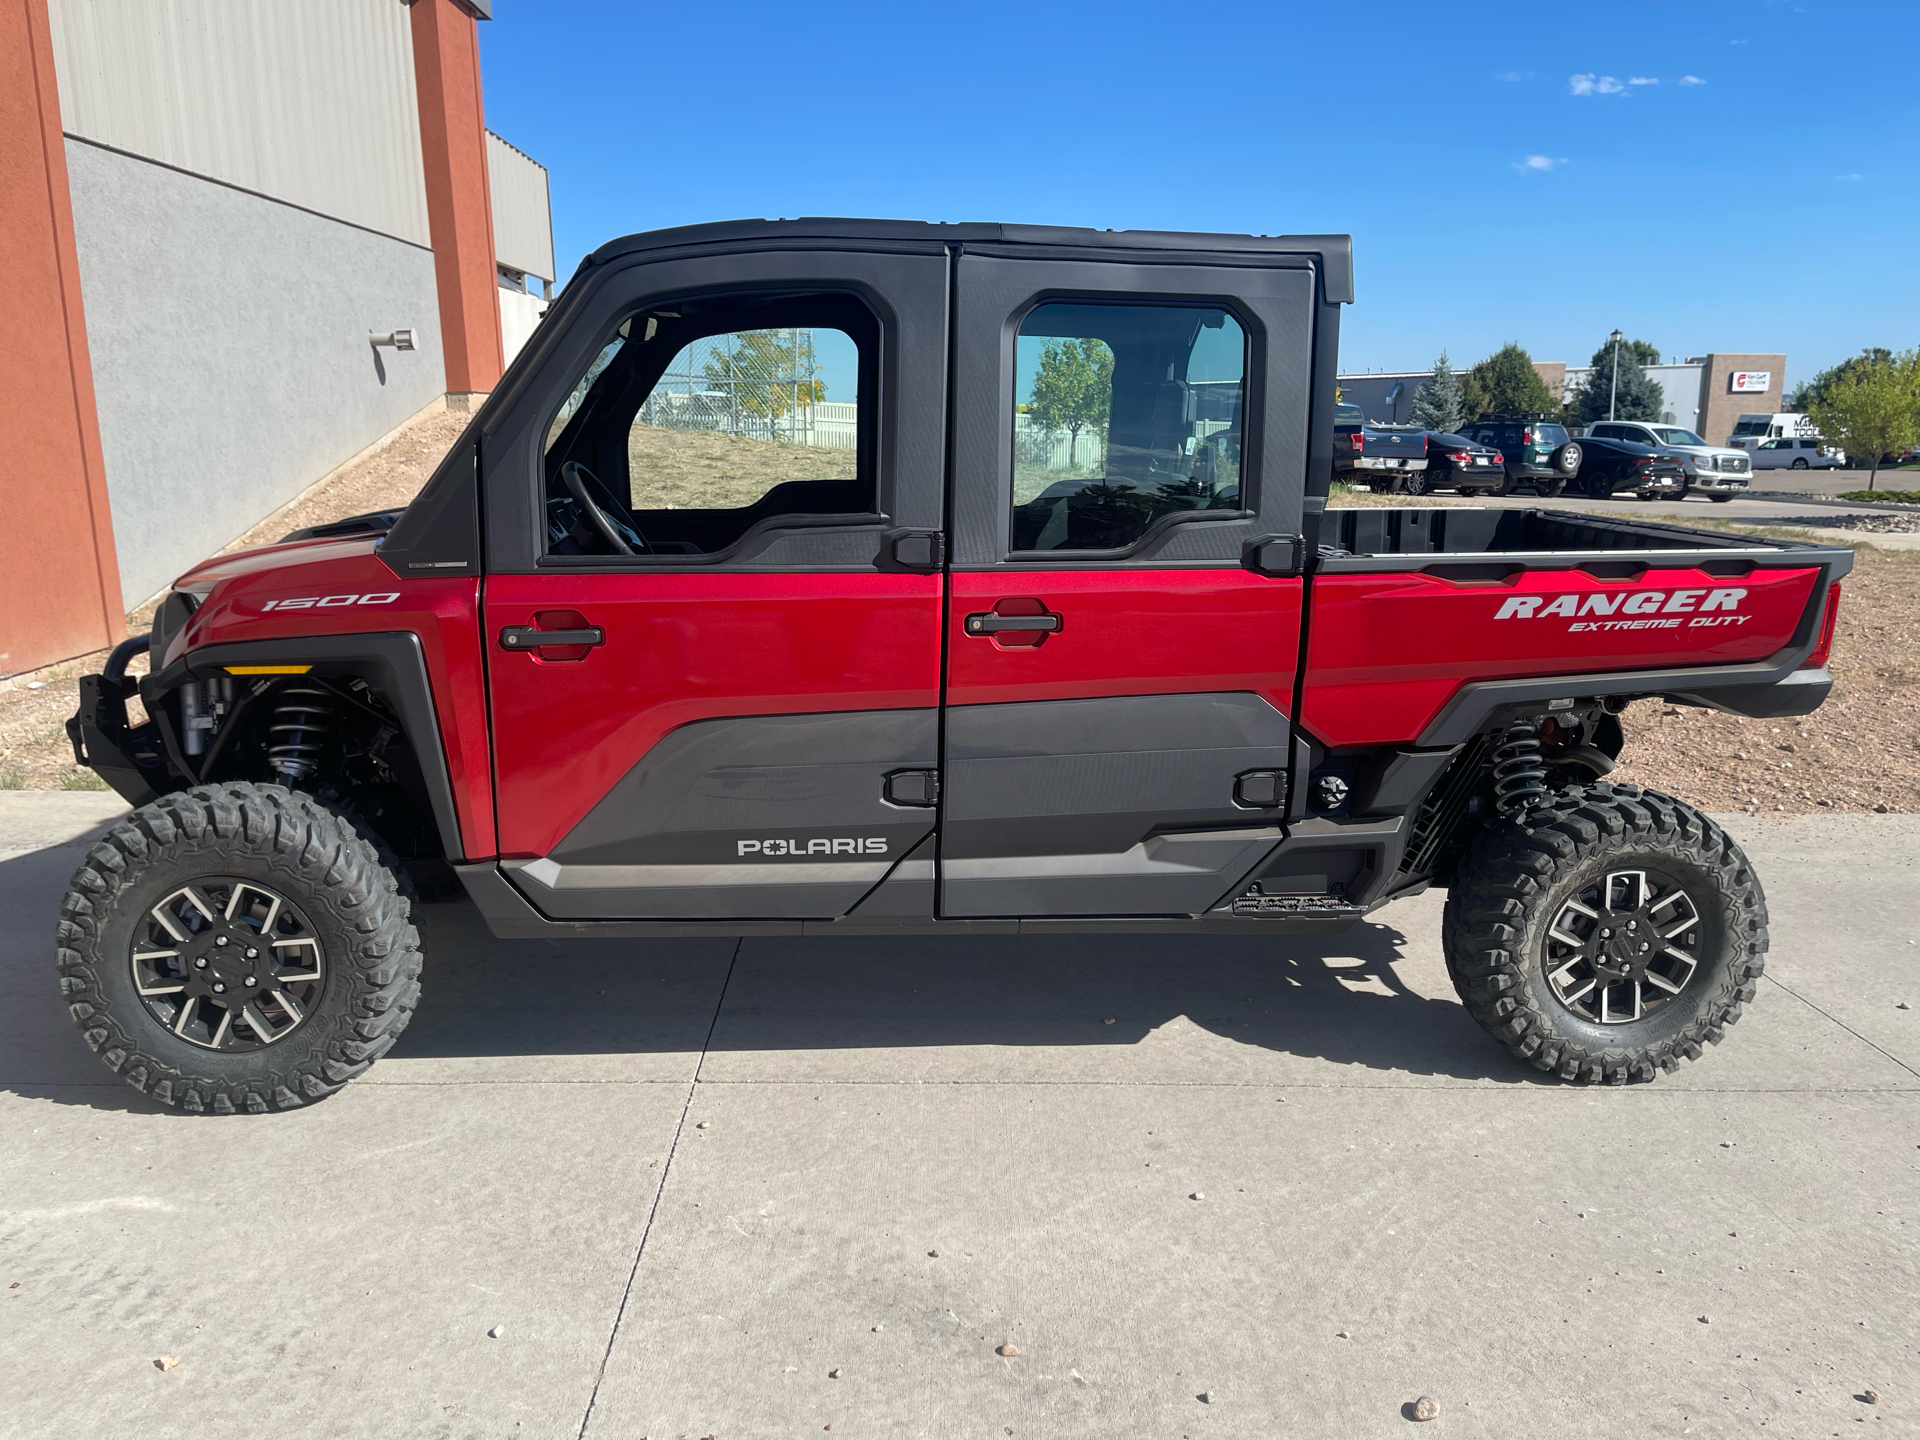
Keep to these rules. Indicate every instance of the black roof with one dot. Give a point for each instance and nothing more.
(1335, 252)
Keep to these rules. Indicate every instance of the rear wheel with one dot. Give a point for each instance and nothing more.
(1505, 487)
(1606, 935)
(238, 947)
(1548, 489)
(1416, 482)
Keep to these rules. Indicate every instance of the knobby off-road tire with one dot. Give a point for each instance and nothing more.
(340, 912)
(1517, 884)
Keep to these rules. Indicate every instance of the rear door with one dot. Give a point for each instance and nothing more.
(713, 603)
(1120, 672)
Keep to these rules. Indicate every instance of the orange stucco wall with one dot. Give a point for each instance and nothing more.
(59, 579)
(453, 146)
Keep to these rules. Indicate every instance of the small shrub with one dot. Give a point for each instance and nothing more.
(77, 779)
(1885, 497)
(12, 779)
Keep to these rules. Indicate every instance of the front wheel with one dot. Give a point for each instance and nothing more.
(237, 947)
(1607, 934)
(1720, 499)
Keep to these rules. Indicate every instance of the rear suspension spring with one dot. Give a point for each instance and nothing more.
(1519, 771)
(301, 717)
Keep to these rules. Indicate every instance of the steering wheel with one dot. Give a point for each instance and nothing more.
(576, 477)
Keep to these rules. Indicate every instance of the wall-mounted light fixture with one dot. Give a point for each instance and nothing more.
(398, 339)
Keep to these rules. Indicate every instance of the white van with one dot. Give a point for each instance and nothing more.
(1750, 430)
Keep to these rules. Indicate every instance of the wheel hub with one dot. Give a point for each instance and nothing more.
(227, 964)
(1622, 947)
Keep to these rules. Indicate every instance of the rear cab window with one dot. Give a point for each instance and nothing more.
(1124, 415)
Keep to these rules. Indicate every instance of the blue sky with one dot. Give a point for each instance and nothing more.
(1707, 176)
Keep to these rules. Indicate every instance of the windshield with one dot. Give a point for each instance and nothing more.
(1344, 414)
(1549, 434)
(1674, 435)
(1756, 426)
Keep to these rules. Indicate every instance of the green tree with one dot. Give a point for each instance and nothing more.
(1807, 392)
(1873, 408)
(1437, 406)
(1072, 389)
(1639, 396)
(1505, 381)
(767, 372)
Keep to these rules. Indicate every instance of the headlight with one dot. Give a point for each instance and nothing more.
(1705, 462)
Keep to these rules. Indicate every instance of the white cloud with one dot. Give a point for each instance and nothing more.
(1536, 164)
(1643, 80)
(1512, 75)
(1850, 177)
(1594, 85)
(1691, 80)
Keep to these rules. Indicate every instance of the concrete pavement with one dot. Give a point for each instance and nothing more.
(1391, 1208)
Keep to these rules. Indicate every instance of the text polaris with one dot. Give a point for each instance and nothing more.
(838, 845)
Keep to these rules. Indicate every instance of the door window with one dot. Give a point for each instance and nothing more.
(701, 420)
(1124, 415)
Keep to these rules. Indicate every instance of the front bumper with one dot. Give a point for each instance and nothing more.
(1716, 482)
(131, 759)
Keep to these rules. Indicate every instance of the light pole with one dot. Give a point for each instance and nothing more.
(1614, 393)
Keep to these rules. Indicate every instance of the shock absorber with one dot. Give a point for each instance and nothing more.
(1519, 771)
(301, 716)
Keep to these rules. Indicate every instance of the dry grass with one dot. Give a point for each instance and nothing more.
(701, 469)
(1858, 752)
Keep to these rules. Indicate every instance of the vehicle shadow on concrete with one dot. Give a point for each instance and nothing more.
(1337, 998)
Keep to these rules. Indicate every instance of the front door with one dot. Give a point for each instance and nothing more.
(712, 605)
(1121, 656)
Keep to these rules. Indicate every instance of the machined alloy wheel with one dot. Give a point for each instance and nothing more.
(1605, 934)
(228, 964)
(238, 947)
(1618, 950)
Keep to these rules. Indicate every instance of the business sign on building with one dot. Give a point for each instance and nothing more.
(1745, 382)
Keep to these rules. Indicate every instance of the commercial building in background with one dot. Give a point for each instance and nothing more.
(248, 242)
(1704, 393)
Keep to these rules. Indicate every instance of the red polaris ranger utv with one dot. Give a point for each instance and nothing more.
(849, 577)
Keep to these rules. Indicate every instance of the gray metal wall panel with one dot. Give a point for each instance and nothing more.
(230, 355)
(522, 219)
(312, 104)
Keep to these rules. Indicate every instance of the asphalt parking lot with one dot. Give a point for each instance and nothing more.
(781, 1187)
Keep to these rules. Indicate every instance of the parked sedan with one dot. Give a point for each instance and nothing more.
(1794, 452)
(1454, 460)
(1612, 467)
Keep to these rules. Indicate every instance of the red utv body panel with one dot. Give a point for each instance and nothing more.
(338, 587)
(1386, 652)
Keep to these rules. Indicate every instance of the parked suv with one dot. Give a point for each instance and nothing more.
(973, 676)
(1718, 472)
(1798, 452)
(1537, 449)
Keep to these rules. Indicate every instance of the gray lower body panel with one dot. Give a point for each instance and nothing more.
(745, 817)
(1110, 806)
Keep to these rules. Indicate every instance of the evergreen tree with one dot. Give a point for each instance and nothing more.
(1639, 396)
(1437, 406)
(1506, 381)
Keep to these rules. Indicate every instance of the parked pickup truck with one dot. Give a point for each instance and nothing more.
(1380, 456)
(1133, 676)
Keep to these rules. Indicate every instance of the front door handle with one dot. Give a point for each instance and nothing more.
(530, 637)
(990, 624)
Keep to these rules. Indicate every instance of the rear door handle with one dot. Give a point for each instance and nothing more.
(529, 637)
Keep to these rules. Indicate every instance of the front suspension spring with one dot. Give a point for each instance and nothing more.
(1519, 771)
(301, 716)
